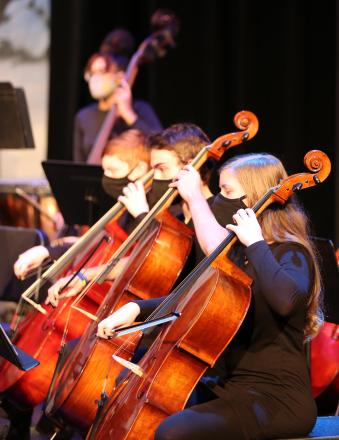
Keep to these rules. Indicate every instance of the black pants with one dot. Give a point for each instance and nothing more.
(209, 420)
(241, 413)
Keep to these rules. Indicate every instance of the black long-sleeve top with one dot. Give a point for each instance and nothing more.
(268, 350)
(89, 120)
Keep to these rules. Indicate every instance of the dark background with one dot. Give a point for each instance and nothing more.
(277, 59)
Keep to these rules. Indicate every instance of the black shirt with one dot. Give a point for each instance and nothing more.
(267, 354)
(89, 120)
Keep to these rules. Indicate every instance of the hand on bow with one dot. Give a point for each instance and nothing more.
(73, 288)
(31, 259)
(124, 316)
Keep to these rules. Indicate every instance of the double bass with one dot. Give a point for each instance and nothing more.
(186, 347)
(149, 274)
(166, 26)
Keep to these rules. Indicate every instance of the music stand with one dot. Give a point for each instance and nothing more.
(330, 278)
(78, 191)
(14, 354)
(15, 127)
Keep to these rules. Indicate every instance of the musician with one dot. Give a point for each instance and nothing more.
(170, 151)
(265, 391)
(125, 159)
(107, 84)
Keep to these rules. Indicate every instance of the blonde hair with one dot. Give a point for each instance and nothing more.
(130, 146)
(257, 173)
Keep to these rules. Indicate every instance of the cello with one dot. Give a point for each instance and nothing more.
(30, 388)
(74, 397)
(198, 333)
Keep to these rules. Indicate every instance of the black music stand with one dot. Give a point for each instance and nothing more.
(78, 191)
(15, 127)
(330, 278)
(14, 354)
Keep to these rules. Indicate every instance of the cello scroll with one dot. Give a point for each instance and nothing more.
(318, 162)
(247, 122)
(320, 166)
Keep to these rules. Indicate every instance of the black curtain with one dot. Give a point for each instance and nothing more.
(276, 59)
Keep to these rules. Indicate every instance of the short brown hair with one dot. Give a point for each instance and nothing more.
(130, 146)
(185, 139)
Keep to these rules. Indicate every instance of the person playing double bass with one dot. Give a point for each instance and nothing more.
(264, 391)
(105, 75)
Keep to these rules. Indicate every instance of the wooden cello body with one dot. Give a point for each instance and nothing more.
(179, 357)
(162, 252)
(40, 335)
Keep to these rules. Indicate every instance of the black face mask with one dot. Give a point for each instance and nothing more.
(224, 208)
(159, 187)
(114, 187)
